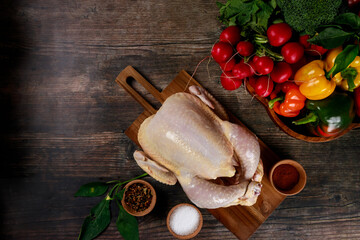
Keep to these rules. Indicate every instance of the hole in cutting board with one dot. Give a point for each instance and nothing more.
(143, 92)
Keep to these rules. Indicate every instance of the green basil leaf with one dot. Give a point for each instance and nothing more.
(92, 189)
(349, 19)
(350, 74)
(97, 221)
(330, 37)
(343, 60)
(127, 225)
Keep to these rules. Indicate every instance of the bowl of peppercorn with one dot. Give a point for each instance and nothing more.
(139, 198)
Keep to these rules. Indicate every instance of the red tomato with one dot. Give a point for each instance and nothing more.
(311, 49)
(229, 82)
(230, 35)
(263, 65)
(228, 65)
(292, 52)
(278, 34)
(353, 3)
(241, 70)
(245, 48)
(281, 72)
(222, 52)
(303, 41)
(316, 50)
(264, 86)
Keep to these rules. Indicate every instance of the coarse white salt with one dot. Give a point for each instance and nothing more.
(184, 220)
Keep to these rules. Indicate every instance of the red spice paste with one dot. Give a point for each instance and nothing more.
(285, 177)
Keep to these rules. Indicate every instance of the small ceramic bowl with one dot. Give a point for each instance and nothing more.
(300, 184)
(152, 204)
(191, 235)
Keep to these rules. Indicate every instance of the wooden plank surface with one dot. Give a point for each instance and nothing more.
(240, 220)
(63, 119)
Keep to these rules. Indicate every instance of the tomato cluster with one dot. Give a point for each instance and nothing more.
(239, 61)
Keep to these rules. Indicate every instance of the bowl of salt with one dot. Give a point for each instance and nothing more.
(184, 221)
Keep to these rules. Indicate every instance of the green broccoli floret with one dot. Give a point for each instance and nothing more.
(307, 15)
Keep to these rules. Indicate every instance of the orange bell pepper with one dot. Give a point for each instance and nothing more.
(292, 102)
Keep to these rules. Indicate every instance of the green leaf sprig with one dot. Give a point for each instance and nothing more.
(341, 65)
(100, 215)
(344, 28)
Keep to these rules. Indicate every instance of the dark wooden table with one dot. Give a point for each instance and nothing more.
(63, 119)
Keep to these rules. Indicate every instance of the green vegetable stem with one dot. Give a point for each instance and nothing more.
(100, 215)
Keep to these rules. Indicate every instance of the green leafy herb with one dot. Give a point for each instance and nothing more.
(345, 27)
(97, 221)
(92, 189)
(127, 224)
(100, 215)
(343, 60)
(331, 37)
(253, 13)
(348, 19)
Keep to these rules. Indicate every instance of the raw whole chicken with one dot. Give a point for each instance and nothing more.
(190, 140)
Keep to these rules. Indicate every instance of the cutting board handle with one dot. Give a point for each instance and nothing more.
(130, 72)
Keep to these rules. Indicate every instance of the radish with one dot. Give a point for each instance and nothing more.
(229, 82)
(228, 65)
(292, 52)
(264, 86)
(230, 35)
(278, 34)
(222, 52)
(241, 70)
(245, 48)
(281, 72)
(252, 82)
(263, 65)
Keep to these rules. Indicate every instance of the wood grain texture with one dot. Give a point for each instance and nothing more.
(240, 220)
(63, 119)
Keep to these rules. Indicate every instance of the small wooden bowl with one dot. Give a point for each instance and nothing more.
(291, 129)
(152, 204)
(189, 235)
(302, 177)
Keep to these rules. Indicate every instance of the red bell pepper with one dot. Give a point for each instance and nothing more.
(290, 104)
(357, 100)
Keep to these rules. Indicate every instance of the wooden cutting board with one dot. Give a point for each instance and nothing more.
(240, 220)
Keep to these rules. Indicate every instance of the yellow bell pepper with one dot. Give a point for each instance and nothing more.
(312, 81)
(338, 79)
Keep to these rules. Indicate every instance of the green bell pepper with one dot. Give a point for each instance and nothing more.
(330, 116)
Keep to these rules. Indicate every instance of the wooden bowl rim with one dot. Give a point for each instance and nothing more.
(184, 236)
(302, 177)
(152, 204)
(275, 118)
